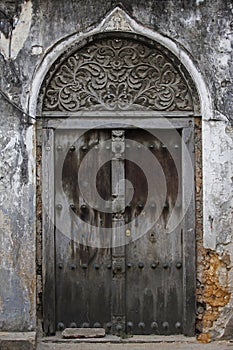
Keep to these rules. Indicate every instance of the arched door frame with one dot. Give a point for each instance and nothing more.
(125, 24)
(128, 25)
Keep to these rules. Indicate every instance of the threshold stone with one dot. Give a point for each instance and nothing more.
(74, 333)
(17, 340)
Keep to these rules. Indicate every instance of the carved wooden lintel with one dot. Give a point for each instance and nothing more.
(117, 74)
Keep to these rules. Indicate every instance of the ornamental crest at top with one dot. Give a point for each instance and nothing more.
(117, 73)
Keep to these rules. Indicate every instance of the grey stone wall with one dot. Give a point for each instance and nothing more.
(29, 29)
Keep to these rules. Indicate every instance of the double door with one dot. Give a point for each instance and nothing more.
(118, 238)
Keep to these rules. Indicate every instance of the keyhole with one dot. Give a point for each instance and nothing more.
(152, 236)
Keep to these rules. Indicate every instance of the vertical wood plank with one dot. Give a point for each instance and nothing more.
(48, 231)
(189, 244)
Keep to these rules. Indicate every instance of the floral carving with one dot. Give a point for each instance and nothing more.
(117, 74)
(117, 21)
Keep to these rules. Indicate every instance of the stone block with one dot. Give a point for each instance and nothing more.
(72, 333)
(17, 340)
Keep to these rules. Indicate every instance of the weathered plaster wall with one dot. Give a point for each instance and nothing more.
(17, 237)
(218, 235)
(30, 28)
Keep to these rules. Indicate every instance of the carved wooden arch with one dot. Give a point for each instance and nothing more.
(118, 72)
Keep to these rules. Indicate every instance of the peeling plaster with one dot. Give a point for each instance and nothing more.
(17, 231)
(11, 282)
(214, 294)
(218, 190)
(10, 47)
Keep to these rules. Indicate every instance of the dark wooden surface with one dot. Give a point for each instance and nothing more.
(189, 247)
(83, 276)
(140, 288)
(48, 232)
(154, 295)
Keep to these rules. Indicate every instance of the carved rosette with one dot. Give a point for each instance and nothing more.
(117, 74)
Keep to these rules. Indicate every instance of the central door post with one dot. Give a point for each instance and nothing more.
(118, 234)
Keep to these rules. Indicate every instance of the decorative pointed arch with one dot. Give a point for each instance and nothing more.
(118, 72)
(114, 22)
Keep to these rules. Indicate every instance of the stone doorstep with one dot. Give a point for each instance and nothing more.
(137, 339)
(74, 333)
(17, 340)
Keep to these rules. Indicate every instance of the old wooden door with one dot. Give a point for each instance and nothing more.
(119, 251)
(154, 278)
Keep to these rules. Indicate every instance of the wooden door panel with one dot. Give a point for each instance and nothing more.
(154, 283)
(83, 272)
